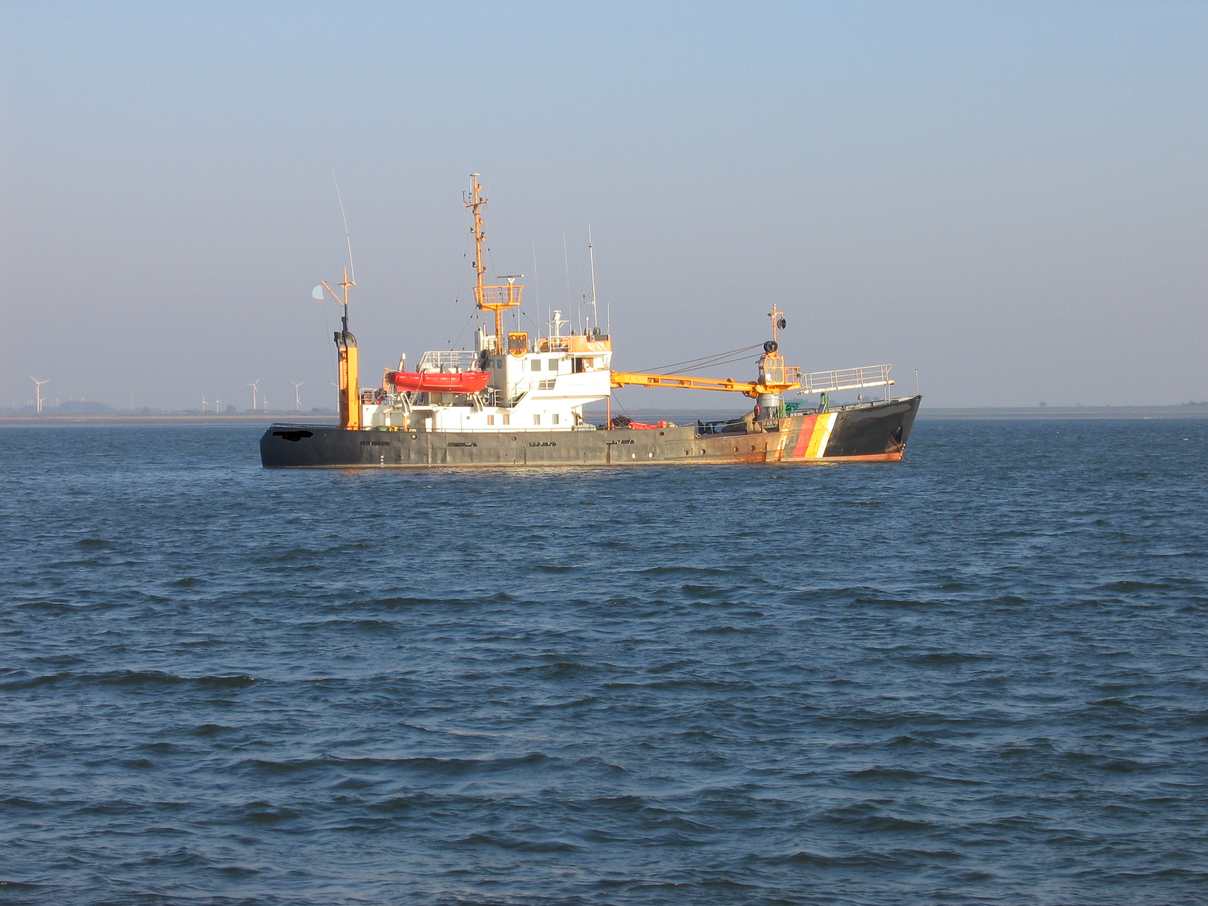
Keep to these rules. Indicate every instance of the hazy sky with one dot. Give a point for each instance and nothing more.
(1011, 198)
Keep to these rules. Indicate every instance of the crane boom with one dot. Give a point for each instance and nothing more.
(752, 389)
(775, 377)
(818, 382)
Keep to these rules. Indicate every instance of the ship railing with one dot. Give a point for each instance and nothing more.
(846, 379)
(498, 297)
(451, 361)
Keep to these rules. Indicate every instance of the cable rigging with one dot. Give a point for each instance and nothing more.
(708, 361)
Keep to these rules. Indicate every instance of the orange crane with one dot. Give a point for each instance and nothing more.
(753, 389)
(774, 376)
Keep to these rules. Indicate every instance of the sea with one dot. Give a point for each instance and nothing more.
(976, 676)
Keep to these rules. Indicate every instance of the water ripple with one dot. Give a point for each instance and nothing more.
(976, 677)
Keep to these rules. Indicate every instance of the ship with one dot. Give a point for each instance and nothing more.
(521, 400)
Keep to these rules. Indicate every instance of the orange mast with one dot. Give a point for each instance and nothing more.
(489, 298)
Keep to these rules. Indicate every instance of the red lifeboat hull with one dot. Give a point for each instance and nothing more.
(438, 381)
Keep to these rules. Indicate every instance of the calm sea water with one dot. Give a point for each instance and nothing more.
(978, 676)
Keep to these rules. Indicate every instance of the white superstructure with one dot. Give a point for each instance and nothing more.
(537, 386)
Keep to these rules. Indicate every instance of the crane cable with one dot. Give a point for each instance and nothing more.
(708, 361)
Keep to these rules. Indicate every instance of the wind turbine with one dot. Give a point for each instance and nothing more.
(38, 391)
(253, 386)
(217, 403)
(203, 404)
(297, 401)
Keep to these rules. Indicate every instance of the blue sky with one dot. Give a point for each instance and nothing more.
(1011, 198)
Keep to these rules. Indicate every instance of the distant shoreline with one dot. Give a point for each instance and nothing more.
(982, 412)
(1067, 412)
(164, 418)
(675, 415)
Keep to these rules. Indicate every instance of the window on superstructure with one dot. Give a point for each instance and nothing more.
(553, 364)
(490, 419)
(536, 364)
(536, 419)
(507, 419)
(554, 420)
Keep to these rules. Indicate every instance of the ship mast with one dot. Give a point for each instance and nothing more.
(489, 298)
(475, 204)
(771, 364)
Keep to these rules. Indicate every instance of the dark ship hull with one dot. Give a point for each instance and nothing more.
(867, 432)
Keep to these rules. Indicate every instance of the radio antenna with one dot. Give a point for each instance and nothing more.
(344, 217)
(566, 267)
(536, 287)
(592, 257)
